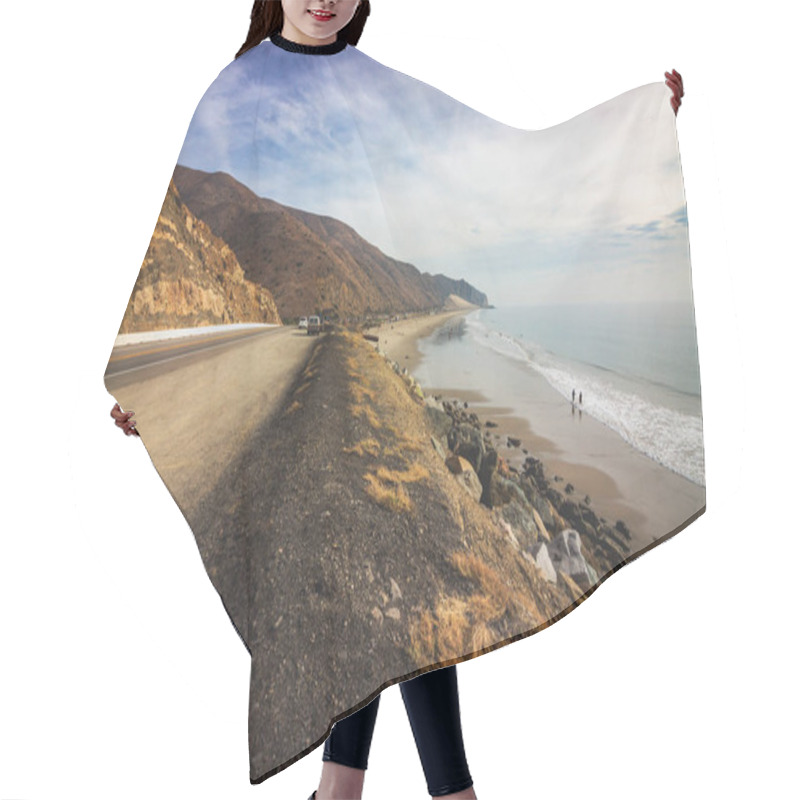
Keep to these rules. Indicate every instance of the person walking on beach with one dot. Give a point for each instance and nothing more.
(431, 699)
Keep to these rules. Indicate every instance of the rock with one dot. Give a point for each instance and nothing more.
(377, 614)
(457, 464)
(565, 553)
(614, 538)
(541, 557)
(587, 500)
(514, 442)
(623, 529)
(569, 586)
(437, 446)
(490, 424)
(540, 526)
(465, 475)
(582, 519)
(539, 502)
(525, 521)
(191, 277)
(488, 467)
(569, 488)
(534, 468)
(465, 440)
(512, 537)
(396, 593)
(393, 613)
(501, 491)
(569, 510)
(435, 411)
(589, 517)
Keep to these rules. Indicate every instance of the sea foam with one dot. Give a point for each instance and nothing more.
(660, 421)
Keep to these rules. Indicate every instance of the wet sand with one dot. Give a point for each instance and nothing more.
(575, 448)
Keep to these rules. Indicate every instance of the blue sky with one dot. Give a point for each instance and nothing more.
(590, 210)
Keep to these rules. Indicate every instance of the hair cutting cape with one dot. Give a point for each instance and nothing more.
(418, 381)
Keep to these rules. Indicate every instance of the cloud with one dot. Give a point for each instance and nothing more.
(433, 182)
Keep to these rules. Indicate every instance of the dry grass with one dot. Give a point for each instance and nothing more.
(394, 496)
(368, 413)
(293, 407)
(352, 364)
(405, 443)
(361, 394)
(416, 472)
(386, 486)
(370, 447)
(402, 451)
(460, 626)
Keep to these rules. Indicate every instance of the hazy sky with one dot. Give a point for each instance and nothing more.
(589, 210)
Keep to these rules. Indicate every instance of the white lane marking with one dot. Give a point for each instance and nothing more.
(183, 355)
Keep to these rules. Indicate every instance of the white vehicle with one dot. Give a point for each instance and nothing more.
(303, 322)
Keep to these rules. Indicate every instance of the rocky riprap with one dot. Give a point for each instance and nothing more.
(550, 527)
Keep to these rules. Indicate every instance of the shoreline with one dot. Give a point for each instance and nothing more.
(649, 497)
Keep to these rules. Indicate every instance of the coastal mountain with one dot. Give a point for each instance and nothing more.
(191, 278)
(310, 262)
(448, 286)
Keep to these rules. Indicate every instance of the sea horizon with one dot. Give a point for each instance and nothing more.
(632, 366)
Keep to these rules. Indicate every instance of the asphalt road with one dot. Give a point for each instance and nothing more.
(196, 401)
(134, 362)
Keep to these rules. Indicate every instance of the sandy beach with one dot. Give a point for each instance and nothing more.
(621, 482)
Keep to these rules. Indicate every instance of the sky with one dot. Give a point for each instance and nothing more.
(590, 210)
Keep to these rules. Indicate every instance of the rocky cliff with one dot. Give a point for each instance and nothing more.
(445, 286)
(190, 278)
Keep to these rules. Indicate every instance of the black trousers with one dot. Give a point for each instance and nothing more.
(431, 701)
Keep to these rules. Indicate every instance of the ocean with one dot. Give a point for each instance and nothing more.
(636, 366)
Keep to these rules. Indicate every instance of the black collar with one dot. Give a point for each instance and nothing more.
(309, 49)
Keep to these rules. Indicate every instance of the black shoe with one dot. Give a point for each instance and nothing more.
(314, 794)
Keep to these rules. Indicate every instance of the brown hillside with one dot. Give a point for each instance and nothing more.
(308, 262)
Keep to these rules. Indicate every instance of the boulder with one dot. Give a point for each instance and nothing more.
(565, 553)
(467, 441)
(523, 520)
(541, 557)
(439, 421)
(623, 529)
(465, 475)
(538, 502)
(501, 491)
